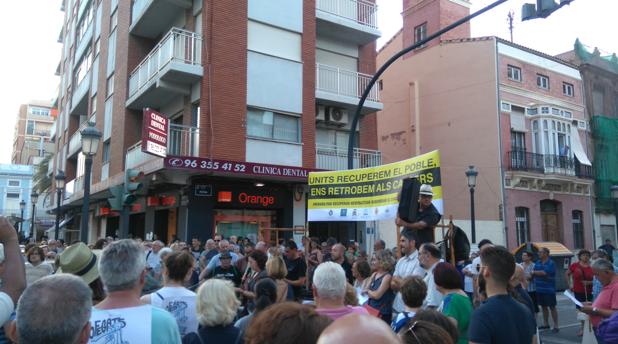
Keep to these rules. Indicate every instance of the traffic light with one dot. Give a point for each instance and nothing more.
(131, 185)
(115, 202)
(542, 9)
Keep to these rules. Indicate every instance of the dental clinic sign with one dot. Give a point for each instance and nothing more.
(154, 133)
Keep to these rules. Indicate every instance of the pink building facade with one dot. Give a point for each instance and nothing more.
(516, 114)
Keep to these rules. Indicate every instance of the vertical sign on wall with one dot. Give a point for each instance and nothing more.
(154, 133)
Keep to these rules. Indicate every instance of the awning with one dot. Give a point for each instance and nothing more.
(518, 122)
(577, 148)
(61, 225)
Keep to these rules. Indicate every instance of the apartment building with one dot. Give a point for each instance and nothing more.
(514, 113)
(33, 133)
(257, 94)
(599, 73)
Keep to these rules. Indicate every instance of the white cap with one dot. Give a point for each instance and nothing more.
(426, 190)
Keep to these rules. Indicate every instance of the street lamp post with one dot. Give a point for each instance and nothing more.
(614, 191)
(90, 144)
(34, 197)
(59, 179)
(22, 206)
(471, 173)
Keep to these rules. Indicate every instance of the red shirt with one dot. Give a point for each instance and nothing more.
(581, 273)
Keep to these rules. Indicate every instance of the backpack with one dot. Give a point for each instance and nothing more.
(461, 243)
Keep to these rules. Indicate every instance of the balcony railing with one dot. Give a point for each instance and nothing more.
(361, 12)
(519, 160)
(344, 82)
(178, 46)
(75, 143)
(135, 157)
(336, 158)
(182, 140)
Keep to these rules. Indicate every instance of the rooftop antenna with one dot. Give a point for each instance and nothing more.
(510, 18)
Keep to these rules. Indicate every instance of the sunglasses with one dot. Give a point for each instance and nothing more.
(411, 330)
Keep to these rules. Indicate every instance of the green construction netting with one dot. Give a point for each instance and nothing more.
(605, 134)
(610, 60)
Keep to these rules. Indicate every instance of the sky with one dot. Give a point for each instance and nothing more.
(29, 31)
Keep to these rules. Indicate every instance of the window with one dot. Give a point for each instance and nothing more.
(93, 101)
(380, 85)
(30, 127)
(578, 228)
(11, 204)
(39, 111)
(522, 225)
(83, 67)
(506, 107)
(272, 125)
(110, 86)
(513, 73)
(542, 81)
(106, 149)
(14, 183)
(420, 32)
(97, 47)
(84, 23)
(567, 89)
(113, 21)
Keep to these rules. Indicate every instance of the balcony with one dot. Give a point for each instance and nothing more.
(350, 20)
(343, 88)
(150, 18)
(168, 71)
(548, 164)
(79, 100)
(75, 144)
(182, 141)
(336, 158)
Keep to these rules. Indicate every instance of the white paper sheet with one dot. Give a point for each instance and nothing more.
(570, 295)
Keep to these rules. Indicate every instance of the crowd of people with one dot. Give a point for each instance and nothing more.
(231, 290)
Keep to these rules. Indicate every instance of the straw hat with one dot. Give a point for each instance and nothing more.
(80, 261)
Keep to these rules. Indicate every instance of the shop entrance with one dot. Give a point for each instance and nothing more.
(243, 223)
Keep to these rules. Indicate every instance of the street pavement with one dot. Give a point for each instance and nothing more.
(567, 319)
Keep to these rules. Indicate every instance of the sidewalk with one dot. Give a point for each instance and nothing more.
(567, 319)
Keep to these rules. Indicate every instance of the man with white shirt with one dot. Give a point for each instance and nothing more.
(476, 268)
(153, 261)
(122, 317)
(429, 256)
(408, 265)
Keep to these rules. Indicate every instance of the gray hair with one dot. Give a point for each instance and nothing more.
(121, 265)
(600, 254)
(329, 281)
(603, 265)
(40, 305)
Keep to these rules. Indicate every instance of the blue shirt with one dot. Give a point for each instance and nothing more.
(545, 284)
(214, 262)
(501, 319)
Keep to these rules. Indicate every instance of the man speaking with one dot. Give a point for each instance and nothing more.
(427, 217)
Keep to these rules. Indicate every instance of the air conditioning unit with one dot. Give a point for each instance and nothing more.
(582, 125)
(338, 116)
(320, 114)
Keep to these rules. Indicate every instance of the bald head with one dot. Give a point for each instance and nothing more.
(358, 329)
(261, 246)
(337, 252)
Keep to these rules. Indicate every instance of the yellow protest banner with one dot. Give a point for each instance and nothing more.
(369, 194)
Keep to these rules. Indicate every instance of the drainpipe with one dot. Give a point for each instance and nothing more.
(501, 149)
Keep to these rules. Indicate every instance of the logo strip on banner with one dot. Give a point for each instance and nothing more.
(369, 194)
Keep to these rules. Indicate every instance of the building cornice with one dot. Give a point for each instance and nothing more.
(541, 99)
